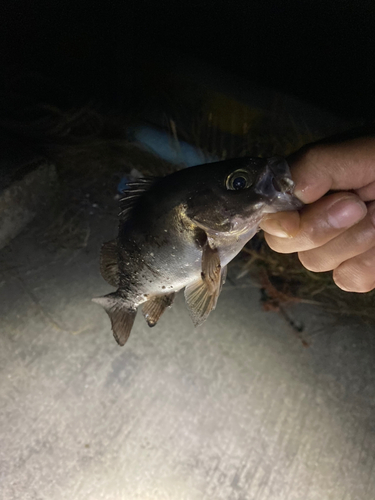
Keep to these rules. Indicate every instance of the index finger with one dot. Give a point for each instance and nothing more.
(321, 167)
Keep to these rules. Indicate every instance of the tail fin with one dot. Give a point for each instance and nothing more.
(121, 315)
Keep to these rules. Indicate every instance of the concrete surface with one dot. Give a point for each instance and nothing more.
(26, 196)
(235, 410)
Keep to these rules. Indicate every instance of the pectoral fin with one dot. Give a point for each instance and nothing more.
(211, 268)
(223, 277)
(200, 301)
(121, 315)
(155, 306)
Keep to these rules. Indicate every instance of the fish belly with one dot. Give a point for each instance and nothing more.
(167, 271)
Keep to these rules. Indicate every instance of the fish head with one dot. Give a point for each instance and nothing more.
(236, 194)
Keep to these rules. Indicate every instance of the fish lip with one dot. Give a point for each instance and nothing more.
(275, 184)
(283, 185)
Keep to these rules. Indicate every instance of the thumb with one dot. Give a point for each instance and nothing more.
(321, 167)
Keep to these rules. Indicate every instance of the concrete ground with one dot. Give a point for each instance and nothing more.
(238, 409)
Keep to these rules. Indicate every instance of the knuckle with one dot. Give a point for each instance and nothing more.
(362, 235)
(368, 263)
(311, 233)
(313, 153)
(317, 154)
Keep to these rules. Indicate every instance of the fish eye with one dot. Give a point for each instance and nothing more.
(238, 180)
(239, 183)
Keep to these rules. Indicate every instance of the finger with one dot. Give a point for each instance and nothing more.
(355, 241)
(357, 274)
(281, 224)
(367, 193)
(319, 223)
(318, 168)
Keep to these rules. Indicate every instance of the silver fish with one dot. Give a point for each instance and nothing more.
(182, 230)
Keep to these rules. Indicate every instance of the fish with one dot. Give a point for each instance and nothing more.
(182, 230)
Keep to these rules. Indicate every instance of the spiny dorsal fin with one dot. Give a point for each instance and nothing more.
(121, 315)
(109, 263)
(155, 306)
(132, 193)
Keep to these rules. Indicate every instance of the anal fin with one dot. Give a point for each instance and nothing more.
(121, 315)
(155, 306)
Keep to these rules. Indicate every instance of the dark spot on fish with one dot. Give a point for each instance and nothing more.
(163, 287)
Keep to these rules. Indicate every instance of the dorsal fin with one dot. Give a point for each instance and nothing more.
(109, 263)
(133, 191)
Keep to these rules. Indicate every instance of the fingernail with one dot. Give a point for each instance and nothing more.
(274, 227)
(346, 212)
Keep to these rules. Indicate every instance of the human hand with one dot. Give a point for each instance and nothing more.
(334, 231)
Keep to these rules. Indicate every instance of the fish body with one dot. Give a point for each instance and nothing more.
(182, 230)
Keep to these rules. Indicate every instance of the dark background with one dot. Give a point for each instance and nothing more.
(320, 51)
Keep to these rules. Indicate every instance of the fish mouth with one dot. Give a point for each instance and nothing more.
(275, 185)
(283, 185)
